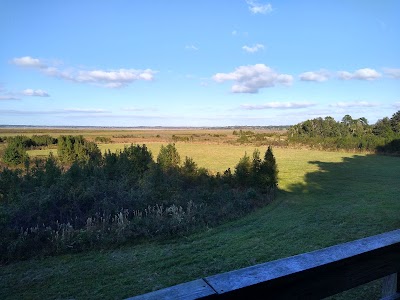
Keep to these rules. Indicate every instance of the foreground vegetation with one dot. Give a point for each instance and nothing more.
(100, 201)
(325, 198)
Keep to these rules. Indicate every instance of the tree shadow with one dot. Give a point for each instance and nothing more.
(393, 148)
(356, 175)
(347, 200)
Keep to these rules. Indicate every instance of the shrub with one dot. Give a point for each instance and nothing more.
(120, 198)
(168, 157)
(15, 153)
(76, 148)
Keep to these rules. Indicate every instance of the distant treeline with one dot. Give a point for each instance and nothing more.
(86, 200)
(29, 142)
(251, 137)
(349, 134)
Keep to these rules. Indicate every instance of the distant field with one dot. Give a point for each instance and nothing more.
(218, 158)
(150, 135)
(215, 157)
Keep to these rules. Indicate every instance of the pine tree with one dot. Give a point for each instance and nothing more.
(243, 170)
(168, 157)
(15, 153)
(269, 169)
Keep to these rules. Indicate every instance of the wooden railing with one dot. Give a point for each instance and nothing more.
(312, 275)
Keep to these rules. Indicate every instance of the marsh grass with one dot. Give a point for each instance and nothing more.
(325, 198)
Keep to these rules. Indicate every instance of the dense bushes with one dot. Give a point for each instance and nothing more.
(15, 153)
(121, 197)
(349, 134)
(76, 148)
(102, 139)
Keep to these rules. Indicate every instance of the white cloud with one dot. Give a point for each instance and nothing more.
(361, 74)
(318, 76)
(277, 105)
(392, 72)
(249, 79)
(27, 61)
(36, 93)
(234, 32)
(354, 104)
(106, 78)
(114, 78)
(396, 105)
(191, 47)
(258, 8)
(253, 49)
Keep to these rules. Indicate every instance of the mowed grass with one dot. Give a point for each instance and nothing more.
(325, 198)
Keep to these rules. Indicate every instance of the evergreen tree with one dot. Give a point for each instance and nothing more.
(243, 170)
(168, 157)
(77, 149)
(256, 169)
(269, 168)
(189, 166)
(395, 122)
(15, 153)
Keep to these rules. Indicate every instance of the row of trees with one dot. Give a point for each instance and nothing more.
(349, 133)
(69, 148)
(101, 200)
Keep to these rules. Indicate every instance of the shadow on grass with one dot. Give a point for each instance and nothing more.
(347, 200)
(355, 176)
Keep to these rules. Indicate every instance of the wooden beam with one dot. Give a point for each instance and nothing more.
(316, 274)
(312, 275)
(184, 291)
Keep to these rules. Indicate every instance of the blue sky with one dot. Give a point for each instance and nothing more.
(197, 63)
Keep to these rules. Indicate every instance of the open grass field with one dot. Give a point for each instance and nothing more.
(325, 198)
(216, 158)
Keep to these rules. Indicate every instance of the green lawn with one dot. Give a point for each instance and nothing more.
(325, 198)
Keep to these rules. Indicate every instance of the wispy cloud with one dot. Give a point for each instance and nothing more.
(277, 105)
(135, 108)
(23, 112)
(66, 111)
(7, 97)
(84, 110)
(253, 49)
(35, 93)
(354, 104)
(258, 8)
(27, 61)
(191, 47)
(317, 76)
(361, 74)
(396, 105)
(249, 79)
(106, 78)
(392, 72)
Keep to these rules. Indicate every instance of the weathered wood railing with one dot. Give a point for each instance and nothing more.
(312, 275)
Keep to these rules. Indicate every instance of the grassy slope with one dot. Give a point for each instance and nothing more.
(324, 200)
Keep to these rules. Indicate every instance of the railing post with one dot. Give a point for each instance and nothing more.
(391, 287)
